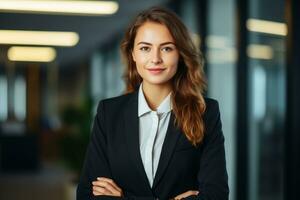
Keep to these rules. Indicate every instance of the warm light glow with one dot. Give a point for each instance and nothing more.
(31, 54)
(60, 7)
(50, 38)
(220, 50)
(269, 27)
(258, 51)
(196, 39)
(217, 42)
(221, 56)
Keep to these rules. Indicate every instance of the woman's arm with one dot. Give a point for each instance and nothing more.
(212, 176)
(96, 162)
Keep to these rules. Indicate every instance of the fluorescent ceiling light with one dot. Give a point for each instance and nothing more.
(269, 27)
(31, 54)
(258, 51)
(50, 38)
(60, 7)
(217, 42)
(221, 56)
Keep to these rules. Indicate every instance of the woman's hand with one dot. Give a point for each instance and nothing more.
(186, 194)
(106, 186)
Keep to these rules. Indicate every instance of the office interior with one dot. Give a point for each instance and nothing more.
(56, 65)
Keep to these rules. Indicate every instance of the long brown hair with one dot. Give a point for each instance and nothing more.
(188, 83)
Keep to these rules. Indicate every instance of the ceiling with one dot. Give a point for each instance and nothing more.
(94, 31)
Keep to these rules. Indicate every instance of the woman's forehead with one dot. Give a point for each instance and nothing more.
(154, 33)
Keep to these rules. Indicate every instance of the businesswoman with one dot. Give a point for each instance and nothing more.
(162, 139)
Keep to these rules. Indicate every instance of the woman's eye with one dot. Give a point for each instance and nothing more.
(145, 49)
(167, 49)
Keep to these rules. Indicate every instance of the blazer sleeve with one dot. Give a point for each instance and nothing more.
(96, 163)
(212, 175)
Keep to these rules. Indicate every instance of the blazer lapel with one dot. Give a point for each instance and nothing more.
(131, 131)
(169, 144)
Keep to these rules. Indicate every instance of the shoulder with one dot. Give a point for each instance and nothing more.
(212, 106)
(118, 99)
(116, 103)
(211, 115)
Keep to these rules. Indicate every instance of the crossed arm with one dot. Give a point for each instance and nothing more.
(212, 176)
(107, 186)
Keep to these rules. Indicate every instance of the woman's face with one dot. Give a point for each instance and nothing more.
(155, 54)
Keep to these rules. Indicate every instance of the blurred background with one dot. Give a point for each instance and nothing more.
(59, 58)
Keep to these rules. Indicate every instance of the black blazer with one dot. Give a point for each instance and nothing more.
(113, 152)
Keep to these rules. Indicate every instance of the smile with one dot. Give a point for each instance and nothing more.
(156, 70)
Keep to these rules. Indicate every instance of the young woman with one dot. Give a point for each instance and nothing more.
(163, 139)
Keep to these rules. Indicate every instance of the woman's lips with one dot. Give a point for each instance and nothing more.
(155, 70)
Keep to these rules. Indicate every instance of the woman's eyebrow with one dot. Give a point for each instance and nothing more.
(165, 43)
(147, 43)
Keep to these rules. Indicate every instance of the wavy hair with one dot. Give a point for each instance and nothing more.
(188, 84)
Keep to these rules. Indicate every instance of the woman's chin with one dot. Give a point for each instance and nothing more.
(155, 82)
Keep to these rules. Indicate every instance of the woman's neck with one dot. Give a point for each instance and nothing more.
(155, 94)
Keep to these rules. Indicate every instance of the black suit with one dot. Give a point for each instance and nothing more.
(114, 153)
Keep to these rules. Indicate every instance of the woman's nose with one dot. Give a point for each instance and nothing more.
(156, 57)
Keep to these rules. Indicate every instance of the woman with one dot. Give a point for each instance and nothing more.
(163, 139)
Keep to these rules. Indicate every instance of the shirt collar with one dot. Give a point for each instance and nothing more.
(144, 108)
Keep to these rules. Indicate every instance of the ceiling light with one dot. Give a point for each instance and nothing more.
(31, 54)
(51, 38)
(217, 42)
(221, 56)
(269, 27)
(258, 51)
(60, 7)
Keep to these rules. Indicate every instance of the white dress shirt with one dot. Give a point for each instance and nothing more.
(153, 127)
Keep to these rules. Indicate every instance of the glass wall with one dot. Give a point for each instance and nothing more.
(221, 67)
(266, 54)
(13, 100)
(3, 98)
(106, 74)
